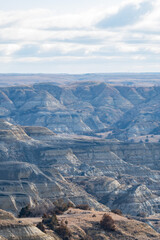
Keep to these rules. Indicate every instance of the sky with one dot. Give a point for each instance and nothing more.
(87, 36)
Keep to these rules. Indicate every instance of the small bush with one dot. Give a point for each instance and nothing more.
(41, 227)
(63, 231)
(83, 207)
(66, 222)
(94, 215)
(107, 223)
(61, 206)
(44, 215)
(58, 207)
(36, 210)
(142, 214)
(50, 221)
(25, 212)
(117, 211)
(87, 237)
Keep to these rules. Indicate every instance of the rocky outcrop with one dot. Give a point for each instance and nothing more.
(39, 133)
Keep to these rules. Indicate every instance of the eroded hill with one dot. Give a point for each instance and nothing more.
(84, 142)
(88, 108)
(38, 166)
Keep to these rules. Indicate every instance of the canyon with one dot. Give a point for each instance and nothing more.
(85, 142)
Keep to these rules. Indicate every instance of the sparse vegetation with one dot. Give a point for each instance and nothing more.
(107, 223)
(58, 207)
(117, 211)
(61, 206)
(83, 207)
(142, 214)
(40, 225)
(50, 221)
(25, 212)
(66, 222)
(63, 231)
(36, 211)
(87, 237)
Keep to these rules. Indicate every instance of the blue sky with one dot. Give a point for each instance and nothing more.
(79, 36)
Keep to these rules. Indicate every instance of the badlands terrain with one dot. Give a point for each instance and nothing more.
(83, 225)
(86, 142)
(89, 108)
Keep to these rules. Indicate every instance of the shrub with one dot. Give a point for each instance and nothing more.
(66, 222)
(117, 211)
(87, 237)
(36, 211)
(50, 221)
(41, 227)
(141, 214)
(61, 206)
(58, 207)
(25, 212)
(83, 207)
(44, 215)
(107, 223)
(63, 231)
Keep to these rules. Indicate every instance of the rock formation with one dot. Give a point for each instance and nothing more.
(82, 142)
(37, 165)
(92, 108)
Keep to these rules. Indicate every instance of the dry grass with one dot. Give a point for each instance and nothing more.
(81, 222)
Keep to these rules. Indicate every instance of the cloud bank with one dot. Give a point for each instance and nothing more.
(123, 37)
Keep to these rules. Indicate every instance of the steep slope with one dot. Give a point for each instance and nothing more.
(33, 170)
(25, 177)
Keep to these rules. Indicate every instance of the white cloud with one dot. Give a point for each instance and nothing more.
(40, 35)
(9, 49)
(123, 47)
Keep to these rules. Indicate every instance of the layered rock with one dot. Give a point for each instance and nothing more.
(11, 228)
(35, 162)
(121, 112)
(27, 173)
